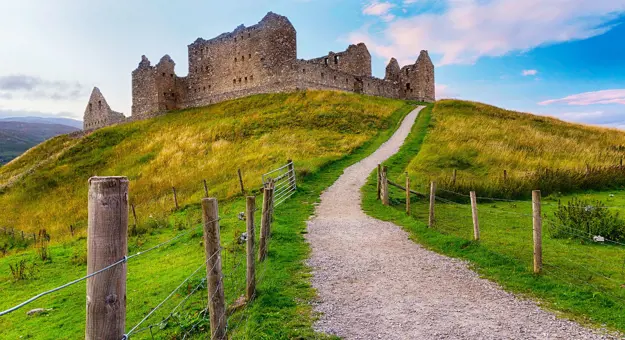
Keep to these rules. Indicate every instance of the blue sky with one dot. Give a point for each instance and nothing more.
(564, 58)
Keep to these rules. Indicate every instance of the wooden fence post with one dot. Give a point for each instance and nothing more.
(453, 178)
(264, 222)
(620, 166)
(538, 225)
(214, 275)
(134, 215)
(432, 199)
(250, 208)
(476, 223)
(205, 189)
(505, 175)
(241, 182)
(175, 197)
(385, 193)
(71, 229)
(379, 188)
(107, 243)
(407, 194)
(22, 235)
(291, 168)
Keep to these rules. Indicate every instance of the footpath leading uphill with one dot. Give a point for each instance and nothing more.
(375, 283)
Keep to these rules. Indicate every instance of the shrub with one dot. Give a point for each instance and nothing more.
(582, 219)
(21, 270)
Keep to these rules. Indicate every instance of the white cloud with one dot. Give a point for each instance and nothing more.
(380, 9)
(616, 96)
(529, 72)
(470, 29)
(444, 91)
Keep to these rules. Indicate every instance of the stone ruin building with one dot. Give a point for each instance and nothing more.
(98, 113)
(260, 59)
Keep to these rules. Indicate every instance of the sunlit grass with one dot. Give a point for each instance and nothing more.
(183, 148)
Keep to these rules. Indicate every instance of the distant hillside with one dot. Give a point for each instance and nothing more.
(45, 120)
(17, 137)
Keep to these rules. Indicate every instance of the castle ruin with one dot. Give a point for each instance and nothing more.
(262, 59)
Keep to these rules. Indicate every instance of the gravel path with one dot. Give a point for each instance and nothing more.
(374, 283)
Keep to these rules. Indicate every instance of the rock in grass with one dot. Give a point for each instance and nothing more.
(37, 311)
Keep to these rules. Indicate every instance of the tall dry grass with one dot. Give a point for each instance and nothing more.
(482, 141)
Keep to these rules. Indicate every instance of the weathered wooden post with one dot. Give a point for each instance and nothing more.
(587, 169)
(264, 222)
(241, 182)
(505, 175)
(431, 219)
(23, 235)
(214, 276)
(71, 229)
(291, 168)
(250, 208)
(107, 243)
(385, 193)
(620, 166)
(407, 194)
(538, 226)
(476, 224)
(379, 187)
(175, 197)
(134, 215)
(453, 178)
(205, 189)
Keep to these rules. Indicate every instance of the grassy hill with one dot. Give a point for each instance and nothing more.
(323, 132)
(481, 141)
(17, 137)
(183, 148)
(581, 279)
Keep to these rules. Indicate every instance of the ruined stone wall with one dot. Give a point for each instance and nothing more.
(241, 61)
(417, 80)
(144, 89)
(98, 113)
(263, 59)
(355, 60)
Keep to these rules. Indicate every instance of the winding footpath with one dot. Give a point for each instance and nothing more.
(375, 283)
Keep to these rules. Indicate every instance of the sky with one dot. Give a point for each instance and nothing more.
(562, 58)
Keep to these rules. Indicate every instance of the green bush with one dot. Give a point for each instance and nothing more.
(582, 219)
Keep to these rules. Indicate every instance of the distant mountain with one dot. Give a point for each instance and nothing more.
(17, 137)
(45, 120)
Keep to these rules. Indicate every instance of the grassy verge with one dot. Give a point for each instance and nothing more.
(582, 281)
(281, 311)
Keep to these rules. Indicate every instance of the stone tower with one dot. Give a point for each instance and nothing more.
(417, 80)
(98, 113)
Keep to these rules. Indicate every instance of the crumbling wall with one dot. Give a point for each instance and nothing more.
(263, 59)
(356, 60)
(144, 89)
(98, 113)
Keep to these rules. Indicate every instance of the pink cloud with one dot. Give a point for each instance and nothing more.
(378, 8)
(616, 96)
(530, 72)
(470, 29)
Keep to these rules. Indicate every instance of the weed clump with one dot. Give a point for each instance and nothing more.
(583, 220)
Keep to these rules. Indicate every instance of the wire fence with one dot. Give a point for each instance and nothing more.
(592, 265)
(232, 262)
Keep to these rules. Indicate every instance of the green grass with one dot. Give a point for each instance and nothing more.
(581, 280)
(481, 141)
(283, 307)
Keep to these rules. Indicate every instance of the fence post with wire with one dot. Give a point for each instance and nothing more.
(250, 209)
(265, 221)
(214, 275)
(107, 244)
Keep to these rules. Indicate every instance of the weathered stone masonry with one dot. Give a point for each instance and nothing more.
(263, 59)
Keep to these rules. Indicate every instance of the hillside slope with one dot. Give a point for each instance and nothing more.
(17, 137)
(183, 148)
(482, 141)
